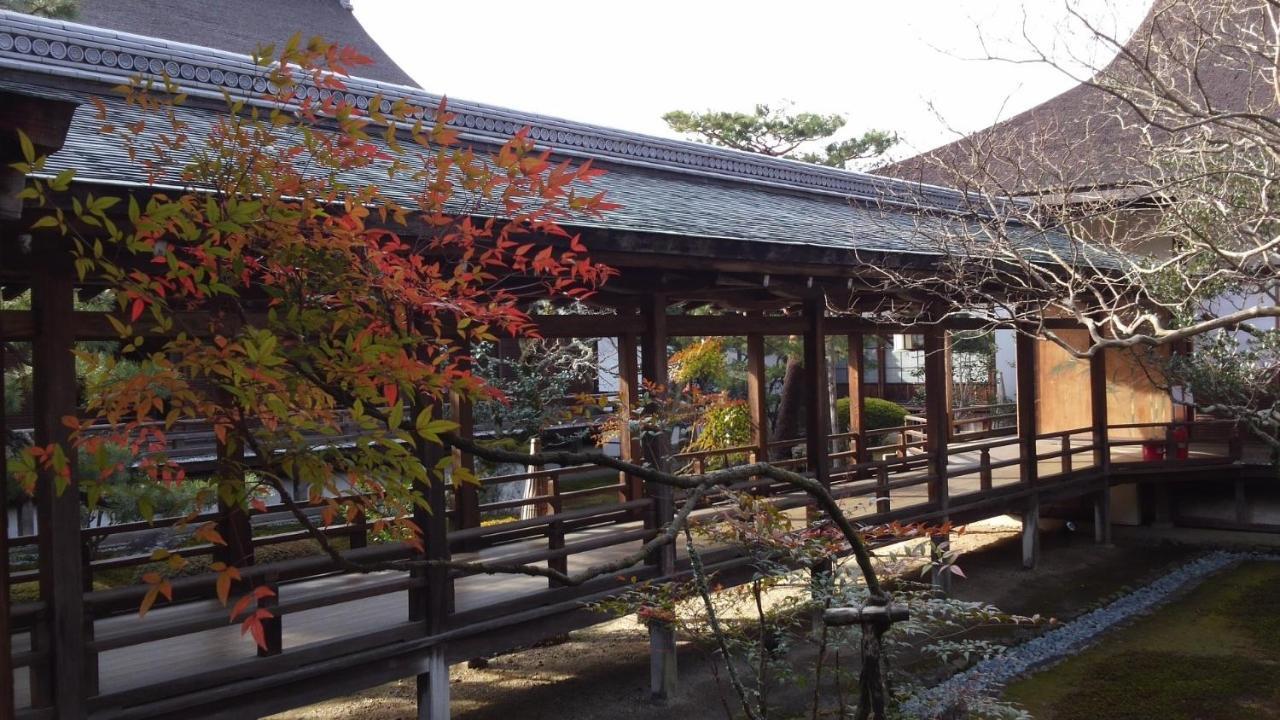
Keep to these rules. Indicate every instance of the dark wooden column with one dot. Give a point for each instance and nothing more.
(466, 500)
(62, 681)
(1101, 449)
(1028, 467)
(628, 396)
(758, 396)
(937, 414)
(882, 365)
(431, 602)
(817, 414)
(653, 366)
(6, 649)
(857, 397)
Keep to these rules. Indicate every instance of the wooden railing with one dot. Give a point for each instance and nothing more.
(897, 483)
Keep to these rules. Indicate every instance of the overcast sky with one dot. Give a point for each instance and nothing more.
(913, 66)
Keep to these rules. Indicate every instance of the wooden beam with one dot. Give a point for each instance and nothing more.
(62, 681)
(817, 414)
(758, 395)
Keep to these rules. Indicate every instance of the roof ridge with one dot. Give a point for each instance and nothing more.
(88, 53)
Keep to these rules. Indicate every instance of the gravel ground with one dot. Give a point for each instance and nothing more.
(602, 671)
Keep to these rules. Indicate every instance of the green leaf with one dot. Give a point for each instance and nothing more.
(28, 149)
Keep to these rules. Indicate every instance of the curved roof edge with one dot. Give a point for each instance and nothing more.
(84, 53)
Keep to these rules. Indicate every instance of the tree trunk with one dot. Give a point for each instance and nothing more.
(786, 426)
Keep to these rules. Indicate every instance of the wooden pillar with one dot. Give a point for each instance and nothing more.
(63, 681)
(758, 396)
(431, 603)
(433, 686)
(1031, 533)
(937, 415)
(628, 396)
(6, 657)
(1028, 467)
(1101, 449)
(466, 501)
(882, 369)
(817, 416)
(857, 397)
(653, 366)
(1027, 422)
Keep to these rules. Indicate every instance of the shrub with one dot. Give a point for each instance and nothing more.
(879, 414)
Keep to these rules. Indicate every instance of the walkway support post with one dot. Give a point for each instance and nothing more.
(67, 677)
(817, 424)
(466, 501)
(937, 398)
(628, 395)
(1101, 448)
(1028, 464)
(857, 399)
(653, 366)
(758, 396)
(430, 603)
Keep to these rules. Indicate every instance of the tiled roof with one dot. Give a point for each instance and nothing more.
(674, 188)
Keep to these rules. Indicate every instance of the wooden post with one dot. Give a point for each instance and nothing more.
(662, 637)
(64, 680)
(1098, 411)
(857, 399)
(430, 603)
(555, 533)
(882, 371)
(757, 396)
(466, 498)
(6, 657)
(1028, 465)
(433, 686)
(1102, 516)
(628, 395)
(817, 416)
(937, 415)
(1031, 533)
(984, 473)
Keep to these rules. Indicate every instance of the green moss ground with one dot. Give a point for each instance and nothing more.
(1211, 655)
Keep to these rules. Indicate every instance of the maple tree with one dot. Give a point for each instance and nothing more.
(313, 319)
(316, 321)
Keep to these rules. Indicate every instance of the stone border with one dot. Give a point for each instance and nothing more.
(1072, 637)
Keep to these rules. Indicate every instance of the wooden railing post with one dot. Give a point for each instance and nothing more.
(757, 396)
(1235, 445)
(937, 398)
(555, 532)
(358, 536)
(1066, 453)
(65, 679)
(883, 500)
(1098, 413)
(857, 398)
(984, 471)
(1170, 444)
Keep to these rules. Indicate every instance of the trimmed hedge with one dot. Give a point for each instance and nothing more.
(879, 414)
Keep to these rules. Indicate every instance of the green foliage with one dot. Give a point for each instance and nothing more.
(723, 425)
(878, 414)
(779, 132)
(702, 363)
(66, 9)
